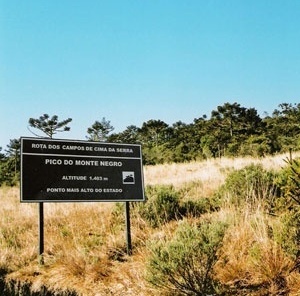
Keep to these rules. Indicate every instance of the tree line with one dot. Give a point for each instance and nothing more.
(230, 130)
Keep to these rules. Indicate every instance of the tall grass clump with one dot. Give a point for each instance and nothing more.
(251, 262)
(260, 254)
(184, 264)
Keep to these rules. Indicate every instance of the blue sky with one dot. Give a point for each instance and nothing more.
(135, 60)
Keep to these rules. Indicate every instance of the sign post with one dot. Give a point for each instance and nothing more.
(41, 233)
(128, 231)
(80, 171)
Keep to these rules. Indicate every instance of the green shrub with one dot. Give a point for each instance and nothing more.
(195, 208)
(192, 203)
(289, 182)
(184, 264)
(8, 176)
(162, 205)
(250, 184)
(288, 234)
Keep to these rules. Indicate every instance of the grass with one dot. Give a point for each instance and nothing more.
(211, 172)
(85, 248)
(250, 260)
(85, 244)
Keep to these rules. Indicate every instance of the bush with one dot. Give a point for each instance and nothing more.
(192, 204)
(195, 208)
(184, 265)
(162, 205)
(249, 185)
(288, 234)
(8, 176)
(289, 182)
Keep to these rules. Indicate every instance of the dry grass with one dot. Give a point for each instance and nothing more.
(250, 260)
(85, 245)
(211, 172)
(85, 248)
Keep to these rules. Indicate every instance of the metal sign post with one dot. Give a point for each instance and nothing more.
(41, 233)
(128, 230)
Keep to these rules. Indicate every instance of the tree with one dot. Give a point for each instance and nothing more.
(10, 163)
(227, 117)
(3, 173)
(130, 136)
(13, 153)
(1, 154)
(252, 123)
(183, 141)
(99, 131)
(154, 131)
(232, 124)
(288, 119)
(284, 127)
(49, 126)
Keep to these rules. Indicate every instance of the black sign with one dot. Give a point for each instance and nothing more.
(66, 170)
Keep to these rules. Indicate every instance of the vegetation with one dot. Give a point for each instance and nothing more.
(231, 130)
(10, 162)
(249, 185)
(211, 225)
(183, 264)
(230, 230)
(49, 126)
(99, 131)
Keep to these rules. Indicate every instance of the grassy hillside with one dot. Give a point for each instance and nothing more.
(188, 235)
